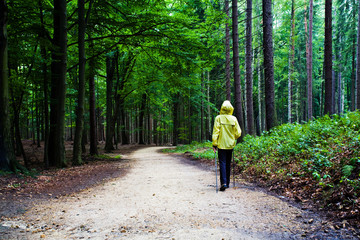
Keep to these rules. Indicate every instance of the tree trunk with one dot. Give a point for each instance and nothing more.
(7, 155)
(77, 149)
(227, 53)
(268, 65)
(358, 63)
(249, 74)
(92, 108)
(328, 107)
(110, 67)
(45, 86)
(142, 120)
(175, 119)
(309, 61)
(237, 82)
(291, 62)
(58, 86)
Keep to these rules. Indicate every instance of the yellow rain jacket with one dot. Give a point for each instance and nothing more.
(226, 128)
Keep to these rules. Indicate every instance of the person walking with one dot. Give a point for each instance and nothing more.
(225, 133)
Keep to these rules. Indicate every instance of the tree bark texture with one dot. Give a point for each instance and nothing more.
(142, 119)
(237, 82)
(249, 73)
(92, 108)
(227, 53)
(309, 62)
(176, 119)
(291, 63)
(7, 155)
(328, 107)
(358, 64)
(110, 69)
(58, 86)
(268, 65)
(77, 150)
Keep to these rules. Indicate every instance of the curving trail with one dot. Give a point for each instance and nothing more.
(163, 198)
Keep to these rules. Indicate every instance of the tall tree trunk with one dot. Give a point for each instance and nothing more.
(43, 52)
(142, 119)
(358, 63)
(209, 129)
(249, 74)
(7, 155)
(227, 53)
(58, 86)
(237, 82)
(291, 62)
(110, 67)
(92, 108)
(328, 107)
(268, 65)
(353, 77)
(175, 119)
(77, 149)
(309, 61)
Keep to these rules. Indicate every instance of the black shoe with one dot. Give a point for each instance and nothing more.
(223, 187)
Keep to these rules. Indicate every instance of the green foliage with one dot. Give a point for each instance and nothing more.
(322, 155)
(197, 149)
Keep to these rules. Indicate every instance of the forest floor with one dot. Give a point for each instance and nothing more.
(150, 195)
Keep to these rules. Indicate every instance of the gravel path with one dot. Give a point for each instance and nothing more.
(163, 198)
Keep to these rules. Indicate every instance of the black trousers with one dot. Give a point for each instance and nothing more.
(225, 156)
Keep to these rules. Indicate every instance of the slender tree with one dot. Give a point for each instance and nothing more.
(77, 150)
(358, 63)
(237, 83)
(249, 73)
(291, 62)
(268, 65)
(227, 52)
(328, 107)
(7, 155)
(309, 64)
(110, 128)
(58, 86)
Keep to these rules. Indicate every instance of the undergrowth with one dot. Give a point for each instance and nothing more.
(317, 160)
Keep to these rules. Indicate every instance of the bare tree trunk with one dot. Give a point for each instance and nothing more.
(58, 86)
(309, 61)
(237, 83)
(249, 74)
(291, 62)
(268, 65)
(328, 107)
(77, 150)
(92, 108)
(141, 119)
(7, 155)
(358, 64)
(110, 68)
(227, 50)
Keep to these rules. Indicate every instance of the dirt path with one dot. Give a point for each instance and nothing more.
(164, 198)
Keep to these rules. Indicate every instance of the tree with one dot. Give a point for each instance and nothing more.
(237, 83)
(58, 86)
(7, 155)
(309, 54)
(358, 63)
(291, 63)
(268, 65)
(249, 74)
(328, 107)
(227, 52)
(81, 90)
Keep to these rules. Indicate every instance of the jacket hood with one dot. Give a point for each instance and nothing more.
(226, 108)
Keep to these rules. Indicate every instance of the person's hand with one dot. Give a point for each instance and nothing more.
(215, 149)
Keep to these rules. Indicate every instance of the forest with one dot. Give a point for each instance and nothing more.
(157, 71)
